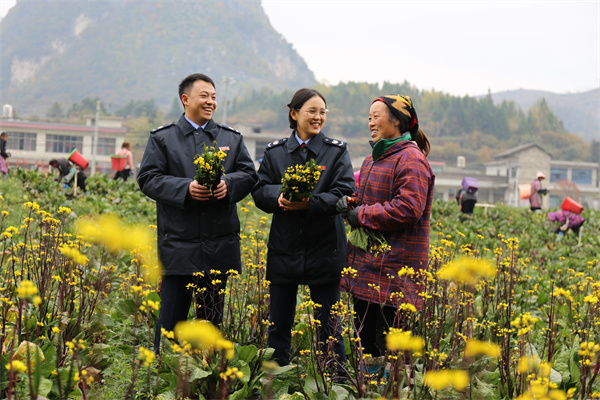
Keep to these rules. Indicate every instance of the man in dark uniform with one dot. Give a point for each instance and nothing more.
(198, 230)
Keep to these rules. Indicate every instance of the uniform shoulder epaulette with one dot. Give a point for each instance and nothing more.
(229, 128)
(160, 128)
(334, 142)
(276, 143)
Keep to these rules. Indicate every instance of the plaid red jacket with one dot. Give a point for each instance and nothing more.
(394, 197)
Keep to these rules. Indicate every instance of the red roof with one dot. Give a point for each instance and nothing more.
(58, 127)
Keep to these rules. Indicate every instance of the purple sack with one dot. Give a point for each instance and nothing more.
(469, 182)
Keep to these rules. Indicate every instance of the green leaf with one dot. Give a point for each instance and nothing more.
(166, 396)
(37, 373)
(245, 369)
(45, 387)
(561, 365)
(240, 394)
(555, 376)
(338, 392)
(199, 373)
(483, 390)
(574, 367)
(247, 353)
(282, 370)
(310, 386)
(293, 396)
(279, 388)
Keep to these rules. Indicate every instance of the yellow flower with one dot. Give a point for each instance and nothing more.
(26, 289)
(146, 355)
(447, 378)
(32, 205)
(116, 236)
(397, 339)
(534, 364)
(475, 347)
(73, 254)
(204, 336)
(468, 270)
(17, 366)
(524, 322)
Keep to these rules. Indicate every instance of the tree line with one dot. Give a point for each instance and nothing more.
(476, 128)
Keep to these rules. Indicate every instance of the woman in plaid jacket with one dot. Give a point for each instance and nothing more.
(393, 201)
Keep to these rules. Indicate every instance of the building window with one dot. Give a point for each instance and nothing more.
(106, 146)
(581, 176)
(558, 174)
(63, 143)
(21, 141)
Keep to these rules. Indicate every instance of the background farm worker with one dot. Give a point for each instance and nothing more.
(537, 192)
(3, 154)
(307, 241)
(393, 199)
(66, 173)
(566, 220)
(198, 230)
(126, 152)
(466, 196)
(466, 200)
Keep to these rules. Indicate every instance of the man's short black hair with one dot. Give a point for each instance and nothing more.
(189, 80)
(53, 161)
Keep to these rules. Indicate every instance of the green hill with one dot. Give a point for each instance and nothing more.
(59, 51)
(580, 112)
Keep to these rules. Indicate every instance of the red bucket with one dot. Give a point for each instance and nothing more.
(571, 205)
(76, 158)
(117, 162)
(525, 191)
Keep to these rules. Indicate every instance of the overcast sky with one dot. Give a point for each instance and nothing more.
(456, 47)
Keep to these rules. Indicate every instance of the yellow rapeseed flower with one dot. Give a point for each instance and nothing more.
(475, 347)
(74, 254)
(401, 340)
(146, 355)
(467, 270)
(17, 366)
(447, 378)
(26, 289)
(116, 236)
(204, 336)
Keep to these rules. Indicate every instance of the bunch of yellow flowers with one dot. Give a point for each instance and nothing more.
(210, 167)
(299, 181)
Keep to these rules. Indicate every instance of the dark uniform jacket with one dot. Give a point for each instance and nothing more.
(195, 236)
(307, 247)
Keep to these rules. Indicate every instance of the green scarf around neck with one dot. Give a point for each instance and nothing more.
(383, 144)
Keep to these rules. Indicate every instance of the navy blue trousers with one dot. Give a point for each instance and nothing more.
(176, 298)
(372, 322)
(283, 311)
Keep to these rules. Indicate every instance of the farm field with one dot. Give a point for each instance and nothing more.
(511, 311)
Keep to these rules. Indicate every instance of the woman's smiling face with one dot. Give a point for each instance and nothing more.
(310, 118)
(380, 124)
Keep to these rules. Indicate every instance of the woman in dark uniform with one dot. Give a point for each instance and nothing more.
(307, 241)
